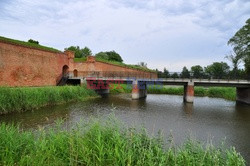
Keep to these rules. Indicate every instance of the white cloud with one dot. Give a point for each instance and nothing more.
(170, 33)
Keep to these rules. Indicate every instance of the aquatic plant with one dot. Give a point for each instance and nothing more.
(105, 143)
(30, 98)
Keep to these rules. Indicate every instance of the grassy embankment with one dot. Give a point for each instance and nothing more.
(28, 44)
(219, 92)
(105, 143)
(23, 99)
(136, 67)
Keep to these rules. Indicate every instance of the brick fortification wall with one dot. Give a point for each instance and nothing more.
(92, 65)
(23, 66)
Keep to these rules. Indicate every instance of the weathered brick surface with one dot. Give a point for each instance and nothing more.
(23, 66)
(92, 65)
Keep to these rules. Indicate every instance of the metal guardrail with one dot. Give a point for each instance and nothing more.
(178, 75)
(145, 75)
(112, 74)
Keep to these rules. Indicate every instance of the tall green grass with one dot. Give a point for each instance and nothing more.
(104, 144)
(23, 99)
(219, 92)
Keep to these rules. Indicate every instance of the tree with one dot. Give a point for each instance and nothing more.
(159, 73)
(197, 71)
(185, 73)
(218, 70)
(235, 59)
(80, 53)
(166, 73)
(175, 75)
(241, 43)
(113, 56)
(102, 55)
(33, 41)
(86, 51)
(143, 64)
(110, 56)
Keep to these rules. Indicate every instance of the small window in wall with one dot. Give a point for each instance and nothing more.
(75, 73)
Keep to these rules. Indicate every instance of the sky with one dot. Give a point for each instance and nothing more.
(162, 33)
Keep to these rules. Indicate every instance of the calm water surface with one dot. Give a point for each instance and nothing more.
(206, 119)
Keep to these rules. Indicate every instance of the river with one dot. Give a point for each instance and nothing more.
(208, 119)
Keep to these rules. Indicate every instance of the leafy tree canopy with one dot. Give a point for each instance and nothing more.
(166, 73)
(241, 44)
(80, 53)
(218, 70)
(185, 73)
(197, 71)
(175, 75)
(110, 56)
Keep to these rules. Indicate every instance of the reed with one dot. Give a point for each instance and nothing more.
(23, 99)
(105, 143)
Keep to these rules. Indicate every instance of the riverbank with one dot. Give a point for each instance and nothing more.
(218, 92)
(105, 143)
(30, 98)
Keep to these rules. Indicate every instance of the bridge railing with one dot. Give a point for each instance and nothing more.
(114, 74)
(150, 75)
(203, 75)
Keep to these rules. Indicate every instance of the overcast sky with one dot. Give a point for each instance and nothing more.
(162, 33)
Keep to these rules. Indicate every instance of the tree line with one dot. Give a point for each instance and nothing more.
(84, 52)
(217, 70)
(240, 43)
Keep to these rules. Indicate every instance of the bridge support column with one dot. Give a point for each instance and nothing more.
(243, 95)
(189, 92)
(139, 90)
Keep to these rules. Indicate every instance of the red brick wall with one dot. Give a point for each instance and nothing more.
(92, 65)
(23, 66)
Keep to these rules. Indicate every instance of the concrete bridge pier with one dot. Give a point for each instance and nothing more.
(189, 92)
(243, 95)
(139, 90)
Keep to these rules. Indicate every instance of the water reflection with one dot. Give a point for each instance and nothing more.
(206, 118)
(188, 108)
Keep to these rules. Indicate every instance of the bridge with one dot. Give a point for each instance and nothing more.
(101, 85)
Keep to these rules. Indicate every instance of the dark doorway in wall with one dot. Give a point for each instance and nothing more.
(65, 71)
(75, 73)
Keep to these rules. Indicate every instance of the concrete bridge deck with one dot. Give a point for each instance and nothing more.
(101, 84)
